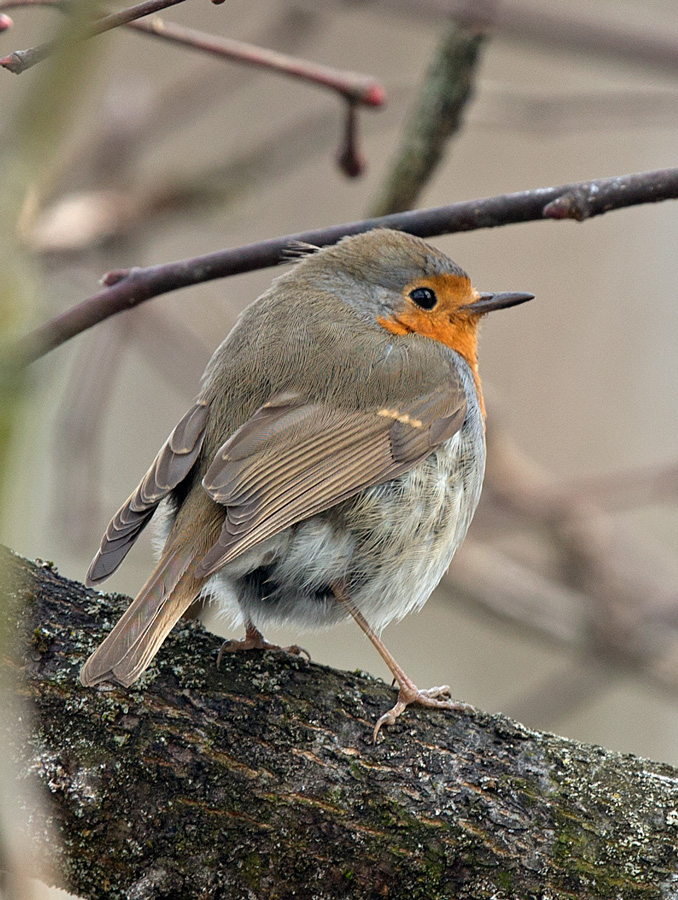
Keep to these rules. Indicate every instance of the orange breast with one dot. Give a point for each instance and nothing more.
(443, 323)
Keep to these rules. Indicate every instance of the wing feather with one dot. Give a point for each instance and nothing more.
(170, 467)
(293, 460)
(135, 640)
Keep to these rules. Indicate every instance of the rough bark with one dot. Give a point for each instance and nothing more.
(258, 780)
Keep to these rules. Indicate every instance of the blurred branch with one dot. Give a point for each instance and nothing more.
(629, 488)
(126, 288)
(607, 594)
(265, 771)
(20, 60)
(573, 30)
(352, 86)
(436, 117)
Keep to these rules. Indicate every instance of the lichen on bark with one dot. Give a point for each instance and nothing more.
(259, 779)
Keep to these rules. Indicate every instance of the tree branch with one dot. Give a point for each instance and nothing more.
(352, 86)
(259, 779)
(560, 27)
(436, 117)
(128, 287)
(20, 60)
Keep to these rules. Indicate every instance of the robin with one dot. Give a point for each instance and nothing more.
(330, 466)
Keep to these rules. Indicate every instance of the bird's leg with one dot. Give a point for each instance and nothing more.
(408, 692)
(254, 640)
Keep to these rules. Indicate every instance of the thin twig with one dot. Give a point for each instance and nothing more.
(353, 86)
(126, 288)
(20, 60)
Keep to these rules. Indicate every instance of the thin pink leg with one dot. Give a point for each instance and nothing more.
(408, 692)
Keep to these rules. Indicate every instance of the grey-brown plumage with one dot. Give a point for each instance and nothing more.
(335, 451)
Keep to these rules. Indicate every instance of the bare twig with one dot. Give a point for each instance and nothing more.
(20, 60)
(350, 159)
(126, 288)
(353, 86)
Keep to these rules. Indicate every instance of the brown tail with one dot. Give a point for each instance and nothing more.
(130, 647)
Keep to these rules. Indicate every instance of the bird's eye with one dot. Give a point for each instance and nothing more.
(424, 297)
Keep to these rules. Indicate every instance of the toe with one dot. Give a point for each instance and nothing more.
(296, 650)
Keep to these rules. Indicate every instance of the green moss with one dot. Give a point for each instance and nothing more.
(504, 880)
(251, 870)
(42, 639)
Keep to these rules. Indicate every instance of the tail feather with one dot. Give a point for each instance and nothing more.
(130, 647)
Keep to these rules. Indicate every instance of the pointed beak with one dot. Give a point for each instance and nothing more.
(489, 302)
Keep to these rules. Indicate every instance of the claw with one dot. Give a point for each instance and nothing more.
(409, 693)
(254, 640)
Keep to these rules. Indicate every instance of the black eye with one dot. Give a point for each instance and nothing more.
(424, 297)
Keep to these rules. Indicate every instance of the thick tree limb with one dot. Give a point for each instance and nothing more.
(259, 780)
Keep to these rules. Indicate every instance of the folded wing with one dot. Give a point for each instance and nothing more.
(294, 459)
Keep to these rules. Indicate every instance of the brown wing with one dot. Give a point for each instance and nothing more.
(294, 459)
(170, 467)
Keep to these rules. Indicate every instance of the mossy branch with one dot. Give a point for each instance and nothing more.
(259, 780)
(435, 118)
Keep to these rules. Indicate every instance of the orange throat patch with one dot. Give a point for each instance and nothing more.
(458, 331)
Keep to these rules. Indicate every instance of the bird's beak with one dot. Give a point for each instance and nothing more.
(489, 302)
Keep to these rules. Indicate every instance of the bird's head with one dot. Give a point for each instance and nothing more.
(405, 286)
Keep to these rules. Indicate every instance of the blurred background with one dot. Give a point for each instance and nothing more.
(562, 608)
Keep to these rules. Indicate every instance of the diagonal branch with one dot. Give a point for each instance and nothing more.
(129, 287)
(20, 60)
(435, 118)
(352, 86)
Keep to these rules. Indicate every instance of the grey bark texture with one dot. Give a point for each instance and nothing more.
(259, 780)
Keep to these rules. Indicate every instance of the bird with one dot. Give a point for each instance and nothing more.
(331, 463)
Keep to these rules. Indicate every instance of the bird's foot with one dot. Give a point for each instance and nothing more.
(409, 693)
(254, 640)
